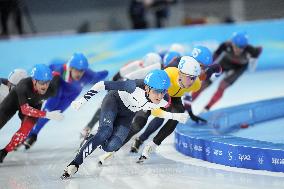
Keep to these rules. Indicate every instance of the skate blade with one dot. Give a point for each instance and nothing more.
(27, 147)
(65, 176)
(100, 163)
(141, 160)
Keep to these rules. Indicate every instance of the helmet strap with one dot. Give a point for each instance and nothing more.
(66, 73)
(147, 93)
(34, 85)
(180, 83)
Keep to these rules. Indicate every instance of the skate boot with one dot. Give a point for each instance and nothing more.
(30, 141)
(136, 145)
(147, 151)
(70, 170)
(3, 154)
(105, 157)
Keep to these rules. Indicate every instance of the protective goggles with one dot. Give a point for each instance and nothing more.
(239, 48)
(189, 77)
(43, 82)
(160, 91)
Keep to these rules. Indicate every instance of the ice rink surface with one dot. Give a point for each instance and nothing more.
(42, 166)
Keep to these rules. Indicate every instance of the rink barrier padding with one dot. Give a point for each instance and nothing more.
(111, 50)
(212, 142)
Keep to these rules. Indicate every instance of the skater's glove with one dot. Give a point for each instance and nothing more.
(85, 132)
(77, 104)
(196, 119)
(54, 115)
(181, 117)
(213, 71)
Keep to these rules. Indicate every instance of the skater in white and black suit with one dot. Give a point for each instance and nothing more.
(6, 85)
(118, 109)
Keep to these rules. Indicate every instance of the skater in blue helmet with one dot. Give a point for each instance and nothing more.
(118, 109)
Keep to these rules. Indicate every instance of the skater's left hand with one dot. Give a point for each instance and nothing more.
(54, 115)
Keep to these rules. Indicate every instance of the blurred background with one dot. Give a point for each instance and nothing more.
(49, 16)
(112, 32)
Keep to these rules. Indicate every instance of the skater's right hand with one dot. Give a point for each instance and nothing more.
(54, 115)
(76, 104)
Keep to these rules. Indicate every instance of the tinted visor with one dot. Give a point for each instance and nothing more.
(189, 77)
(160, 91)
(43, 82)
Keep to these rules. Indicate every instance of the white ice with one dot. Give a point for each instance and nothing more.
(42, 166)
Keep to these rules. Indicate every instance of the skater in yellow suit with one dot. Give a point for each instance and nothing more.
(183, 79)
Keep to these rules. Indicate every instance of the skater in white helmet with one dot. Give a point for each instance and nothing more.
(13, 79)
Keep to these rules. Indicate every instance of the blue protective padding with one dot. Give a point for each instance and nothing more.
(212, 142)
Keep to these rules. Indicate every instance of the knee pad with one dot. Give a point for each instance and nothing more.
(106, 119)
(113, 145)
(104, 133)
(138, 123)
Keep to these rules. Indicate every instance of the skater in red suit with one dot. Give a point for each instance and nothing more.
(27, 98)
(234, 56)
